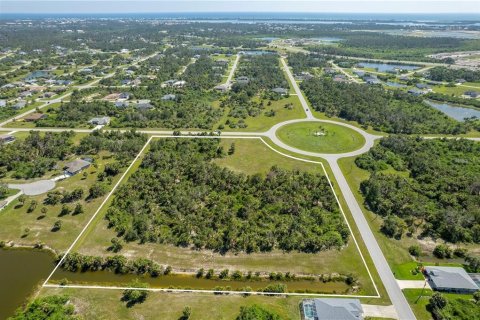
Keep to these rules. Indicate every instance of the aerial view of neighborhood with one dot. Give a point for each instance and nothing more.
(243, 166)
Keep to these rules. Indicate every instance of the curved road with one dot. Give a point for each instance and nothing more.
(395, 294)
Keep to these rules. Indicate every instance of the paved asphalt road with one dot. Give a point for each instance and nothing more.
(401, 305)
(402, 308)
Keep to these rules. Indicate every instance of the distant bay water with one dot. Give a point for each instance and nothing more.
(266, 16)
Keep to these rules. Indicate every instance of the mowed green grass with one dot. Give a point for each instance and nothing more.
(320, 137)
(106, 304)
(251, 156)
(263, 122)
(419, 299)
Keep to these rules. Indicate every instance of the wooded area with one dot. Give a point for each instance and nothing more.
(178, 196)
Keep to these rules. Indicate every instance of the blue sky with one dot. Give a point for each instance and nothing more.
(132, 6)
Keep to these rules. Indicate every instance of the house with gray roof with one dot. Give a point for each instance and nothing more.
(75, 166)
(281, 91)
(331, 309)
(450, 279)
(169, 97)
(100, 121)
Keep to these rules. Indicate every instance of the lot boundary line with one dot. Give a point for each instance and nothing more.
(45, 284)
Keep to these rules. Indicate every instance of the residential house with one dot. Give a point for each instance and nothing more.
(450, 279)
(19, 105)
(471, 94)
(169, 97)
(6, 138)
(422, 86)
(179, 84)
(100, 121)
(221, 87)
(281, 91)
(331, 309)
(242, 80)
(32, 117)
(144, 104)
(339, 78)
(76, 166)
(416, 92)
(121, 104)
(3, 103)
(371, 80)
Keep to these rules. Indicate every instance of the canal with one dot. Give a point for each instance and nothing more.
(21, 272)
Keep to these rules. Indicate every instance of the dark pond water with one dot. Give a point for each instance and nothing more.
(21, 271)
(384, 67)
(455, 112)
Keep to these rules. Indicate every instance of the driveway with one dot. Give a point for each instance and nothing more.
(413, 284)
(34, 188)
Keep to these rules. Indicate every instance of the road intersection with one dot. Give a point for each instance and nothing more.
(400, 304)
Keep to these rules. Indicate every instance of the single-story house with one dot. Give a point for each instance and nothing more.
(180, 83)
(450, 279)
(372, 80)
(222, 62)
(416, 92)
(329, 70)
(460, 81)
(100, 121)
(281, 91)
(359, 73)
(48, 94)
(76, 166)
(144, 104)
(422, 86)
(86, 70)
(303, 76)
(169, 83)
(339, 78)
(3, 103)
(242, 80)
(32, 117)
(6, 138)
(169, 97)
(19, 105)
(331, 309)
(124, 96)
(121, 104)
(472, 94)
(25, 94)
(221, 87)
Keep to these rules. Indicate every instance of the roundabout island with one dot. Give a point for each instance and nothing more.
(320, 137)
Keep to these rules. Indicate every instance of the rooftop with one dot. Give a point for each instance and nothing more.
(455, 278)
(332, 309)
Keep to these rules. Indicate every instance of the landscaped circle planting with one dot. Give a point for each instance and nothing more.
(320, 137)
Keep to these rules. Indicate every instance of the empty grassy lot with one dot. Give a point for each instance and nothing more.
(263, 122)
(320, 137)
(251, 156)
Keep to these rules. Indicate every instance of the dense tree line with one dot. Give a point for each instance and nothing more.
(256, 312)
(179, 197)
(442, 307)
(50, 307)
(203, 74)
(125, 145)
(39, 153)
(263, 73)
(190, 109)
(301, 62)
(451, 75)
(384, 110)
(36, 154)
(441, 191)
